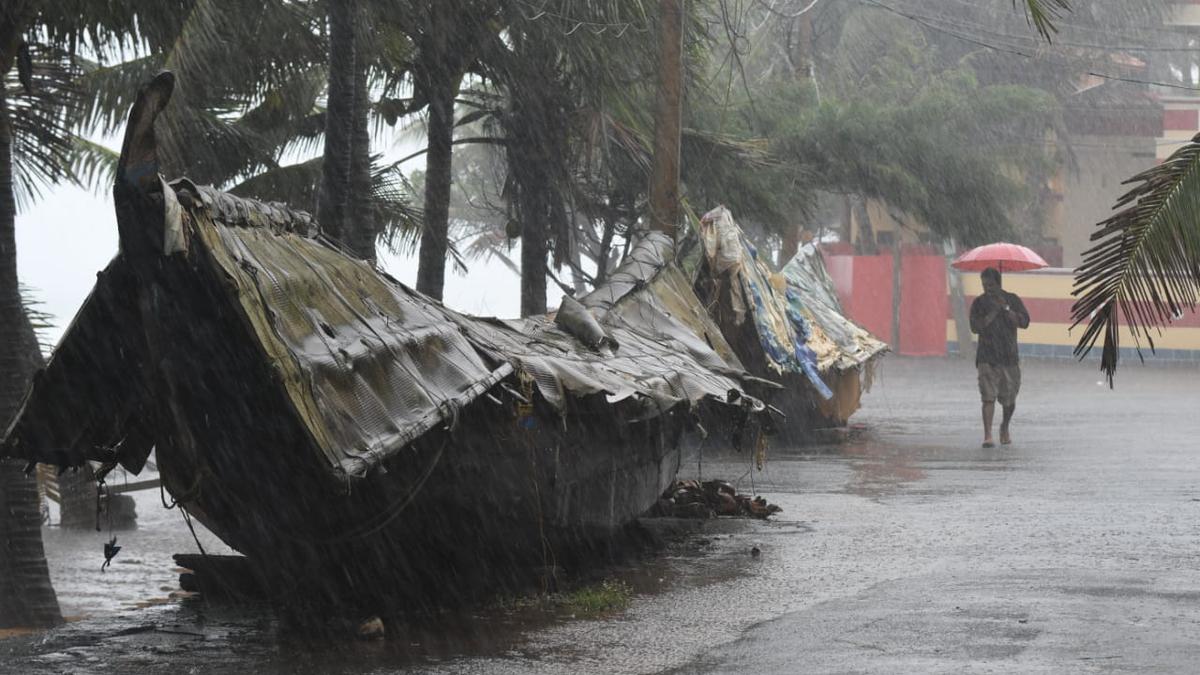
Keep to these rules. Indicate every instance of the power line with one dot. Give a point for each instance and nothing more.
(1100, 32)
(597, 27)
(784, 15)
(967, 25)
(1013, 50)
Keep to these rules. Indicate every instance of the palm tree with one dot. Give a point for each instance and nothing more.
(438, 73)
(48, 90)
(442, 48)
(560, 85)
(538, 62)
(238, 114)
(1145, 266)
(40, 107)
(242, 103)
(334, 200)
(26, 595)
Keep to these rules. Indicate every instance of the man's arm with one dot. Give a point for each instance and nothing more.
(984, 311)
(1020, 315)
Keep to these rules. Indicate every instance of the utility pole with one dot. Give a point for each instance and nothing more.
(800, 43)
(664, 177)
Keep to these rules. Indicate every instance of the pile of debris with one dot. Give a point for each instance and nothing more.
(709, 499)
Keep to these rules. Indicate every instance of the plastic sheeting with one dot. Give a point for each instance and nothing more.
(782, 332)
(839, 343)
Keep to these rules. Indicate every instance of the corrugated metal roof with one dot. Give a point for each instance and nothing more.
(367, 364)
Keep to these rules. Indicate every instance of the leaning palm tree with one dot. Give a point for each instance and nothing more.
(34, 150)
(35, 140)
(1145, 266)
(443, 41)
(49, 93)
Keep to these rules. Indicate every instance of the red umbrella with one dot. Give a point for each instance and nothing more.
(1004, 257)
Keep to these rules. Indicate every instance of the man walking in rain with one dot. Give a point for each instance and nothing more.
(995, 317)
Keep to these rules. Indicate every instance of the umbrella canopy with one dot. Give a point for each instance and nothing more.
(1003, 256)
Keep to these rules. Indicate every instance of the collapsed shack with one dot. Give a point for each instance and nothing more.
(846, 352)
(785, 327)
(352, 437)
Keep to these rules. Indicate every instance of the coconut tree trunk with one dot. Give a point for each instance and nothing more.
(339, 127)
(533, 250)
(361, 227)
(441, 88)
(606, 240)
(26, 596)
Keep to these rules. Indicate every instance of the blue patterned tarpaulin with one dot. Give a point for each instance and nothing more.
(810, 292)
(782, 332)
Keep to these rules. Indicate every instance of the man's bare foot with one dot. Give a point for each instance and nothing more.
(1005, 438)
(987, 443)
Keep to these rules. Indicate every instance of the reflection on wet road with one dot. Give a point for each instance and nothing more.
(906, 549)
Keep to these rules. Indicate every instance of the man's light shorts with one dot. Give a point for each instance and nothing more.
(999, 383)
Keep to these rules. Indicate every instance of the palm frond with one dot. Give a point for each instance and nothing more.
(286, 119)
(200, 142)
(224, 66)
(393, 197)
(112, 28)
(93, 166)
(42, 117)
(294, 99)
(1145, 268)
(294, 184)
(41, 320)
(490, 242)
(1042, 14)
(109, 89)
(297, 184)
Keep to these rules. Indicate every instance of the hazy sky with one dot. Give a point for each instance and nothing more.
(71, 234)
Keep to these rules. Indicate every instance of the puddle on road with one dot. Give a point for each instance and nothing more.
(881, 462)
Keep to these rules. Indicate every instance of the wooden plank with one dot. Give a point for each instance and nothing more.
(134, 487)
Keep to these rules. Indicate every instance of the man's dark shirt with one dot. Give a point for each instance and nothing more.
(998, 340)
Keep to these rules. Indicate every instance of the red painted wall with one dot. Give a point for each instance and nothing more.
(841, 271)
(864, 285)
(869, 301)
(1181, 120)
(923, 305)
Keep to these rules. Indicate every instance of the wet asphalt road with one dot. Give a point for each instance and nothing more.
(906, 549)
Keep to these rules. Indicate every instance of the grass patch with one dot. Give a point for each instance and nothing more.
(607, 596)
(610, 595)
